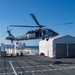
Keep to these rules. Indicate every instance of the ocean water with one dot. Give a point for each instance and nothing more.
(30, 47)
(33, 47)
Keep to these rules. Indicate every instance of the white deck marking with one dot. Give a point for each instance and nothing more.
(13, 68)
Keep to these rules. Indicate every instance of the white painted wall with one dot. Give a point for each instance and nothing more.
(46, 48)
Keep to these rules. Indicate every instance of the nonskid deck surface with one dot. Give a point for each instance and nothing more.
(36, 65)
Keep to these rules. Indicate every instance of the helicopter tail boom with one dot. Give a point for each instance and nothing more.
(10, 36)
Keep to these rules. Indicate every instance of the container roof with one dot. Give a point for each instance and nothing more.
(59, 36)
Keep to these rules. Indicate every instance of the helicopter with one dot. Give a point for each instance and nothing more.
(39, 33)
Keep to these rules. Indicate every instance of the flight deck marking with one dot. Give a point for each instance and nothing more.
(46, 70)
(13, 68)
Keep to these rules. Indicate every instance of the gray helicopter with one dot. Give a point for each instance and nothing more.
(39, 33)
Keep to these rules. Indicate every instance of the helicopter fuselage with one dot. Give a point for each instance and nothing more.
(41, 33)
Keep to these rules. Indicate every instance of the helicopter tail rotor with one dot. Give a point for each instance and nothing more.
(10, 36)
(8, 30)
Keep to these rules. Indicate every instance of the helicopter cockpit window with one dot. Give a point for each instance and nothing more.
(44, 32)
(30, 32)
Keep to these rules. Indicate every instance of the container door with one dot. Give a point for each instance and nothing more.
(71, 50)
(61, 50)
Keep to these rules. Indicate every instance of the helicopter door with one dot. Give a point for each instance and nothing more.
(32, 35)
(36, 34)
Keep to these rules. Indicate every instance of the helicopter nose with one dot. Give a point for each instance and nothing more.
(56, 34)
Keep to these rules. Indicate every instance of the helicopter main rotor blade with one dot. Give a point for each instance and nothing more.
(40, 26)
(35, 19)
(22, 26)
(66, 23)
